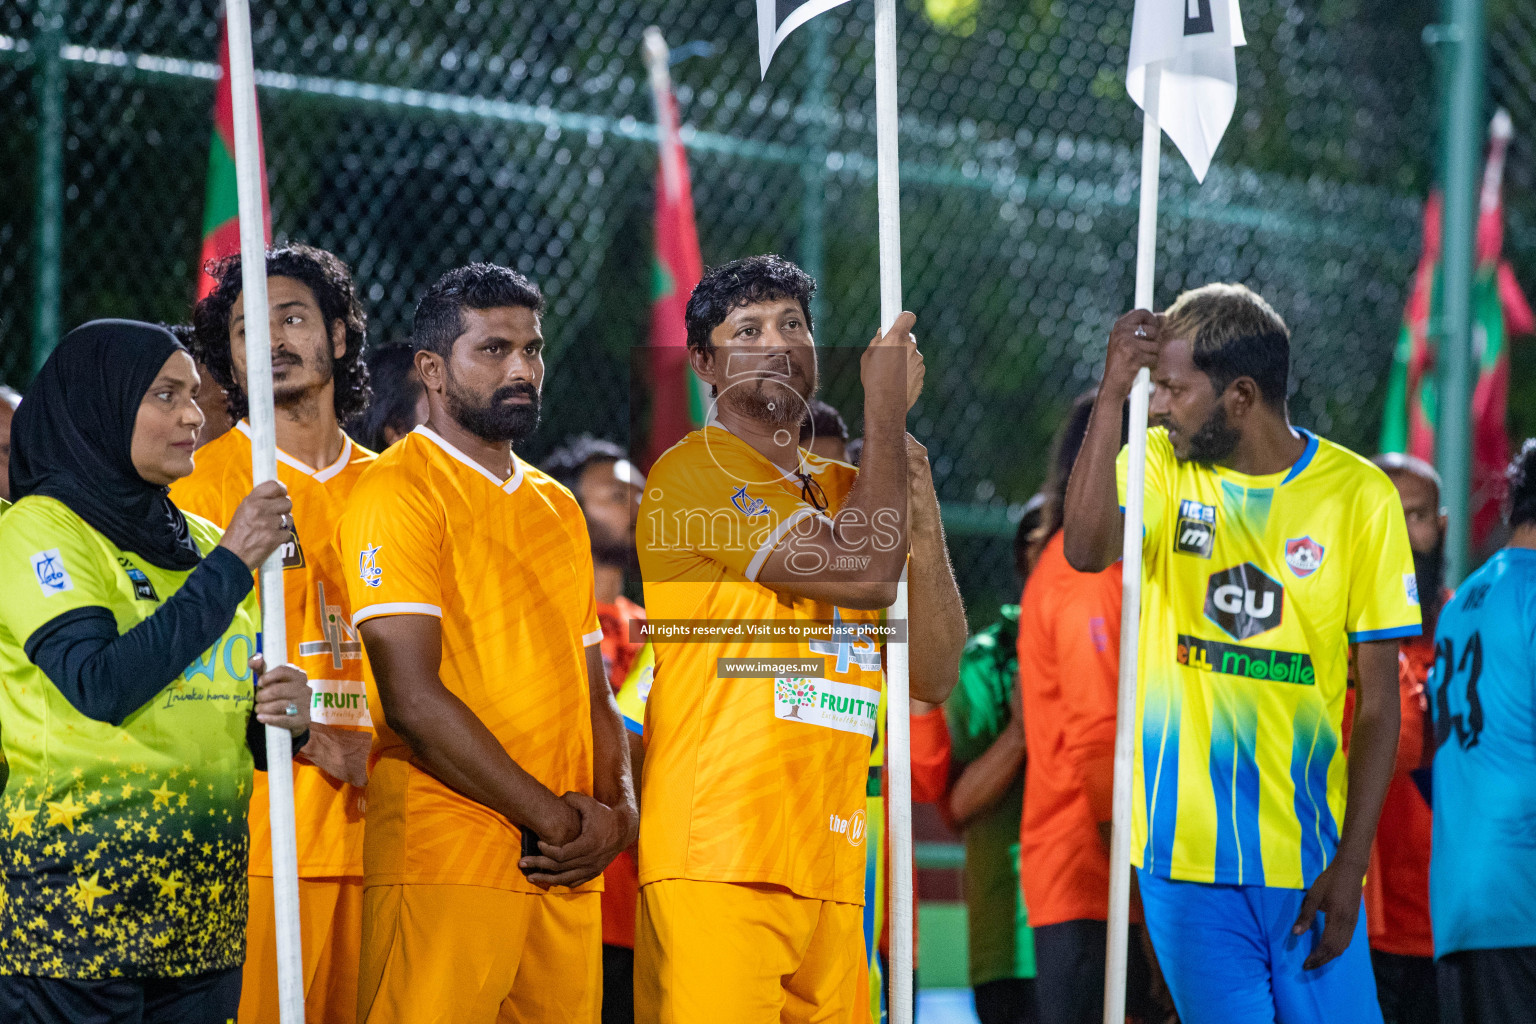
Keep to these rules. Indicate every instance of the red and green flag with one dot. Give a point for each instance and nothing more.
(1500, 312)
(221, 208)
(677, 402)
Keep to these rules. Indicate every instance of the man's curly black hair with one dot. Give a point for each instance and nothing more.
(741, 283)
(1522, 486)
(331, 282)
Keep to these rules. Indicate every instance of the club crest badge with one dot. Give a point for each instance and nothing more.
(747, 505)
(1304, 555)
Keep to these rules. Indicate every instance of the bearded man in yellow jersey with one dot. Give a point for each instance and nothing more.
(500, 786)
(1267, 551)
(752, 852)
(319, 381)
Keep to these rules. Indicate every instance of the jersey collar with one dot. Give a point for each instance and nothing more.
(794, 478)
(1306, 455)
(509, 485)
(320, 475)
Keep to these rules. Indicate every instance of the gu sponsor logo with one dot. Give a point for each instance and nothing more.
(850, 828)
(1196, 531)
(829, 704)
(1244, 601)
(1304, 555)
(1247, 662)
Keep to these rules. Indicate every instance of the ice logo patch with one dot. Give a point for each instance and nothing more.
(747, 505)
(48, 566)
(368, 566)
(1411, 587)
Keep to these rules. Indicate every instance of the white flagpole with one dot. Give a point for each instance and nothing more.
(258, 390)
(1130, 605)
(898, 745)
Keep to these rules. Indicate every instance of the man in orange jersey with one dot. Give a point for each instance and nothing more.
(319, 381)
(500, 787)
(752, 851)
(1397, 883)
(1069, 665)
(607, 486)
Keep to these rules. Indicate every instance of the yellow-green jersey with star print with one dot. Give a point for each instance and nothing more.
(122, 848)
(1253, 588)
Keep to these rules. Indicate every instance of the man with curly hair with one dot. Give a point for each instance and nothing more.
(319, 381)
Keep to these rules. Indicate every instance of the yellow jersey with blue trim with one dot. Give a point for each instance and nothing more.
(1253, 588)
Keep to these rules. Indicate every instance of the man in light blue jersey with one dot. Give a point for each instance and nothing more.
(1482, 871)
(1267, 553)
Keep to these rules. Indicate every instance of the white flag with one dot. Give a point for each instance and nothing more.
(1196, 42)
(778, 18)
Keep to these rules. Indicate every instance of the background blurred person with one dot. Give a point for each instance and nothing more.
(10, 398)
(1482, 874)
(1397, 884)
(127, 635)
(824, 432)
(318, 381)
(985, 802)
(607, 486)
(398, 402)
(1069, 670)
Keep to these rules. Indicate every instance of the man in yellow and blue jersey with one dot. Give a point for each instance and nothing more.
(1267, 552)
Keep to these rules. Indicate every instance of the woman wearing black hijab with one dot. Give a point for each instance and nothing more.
(131, 721)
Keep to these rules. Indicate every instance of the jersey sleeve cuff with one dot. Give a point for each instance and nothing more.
(374, 611)
(594, 637)
(633, 726)
(774, 540)
(1394, 633)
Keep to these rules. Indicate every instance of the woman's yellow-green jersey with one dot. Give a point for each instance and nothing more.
(122, 849)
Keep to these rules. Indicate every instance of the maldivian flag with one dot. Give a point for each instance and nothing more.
(1499, 312)
(221, 208)
(677, 404)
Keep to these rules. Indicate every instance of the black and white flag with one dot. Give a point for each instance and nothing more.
(1195, 41)
(776, 19)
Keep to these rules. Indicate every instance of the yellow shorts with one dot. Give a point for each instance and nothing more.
(707, 952)
(330, 928)
(470, 954)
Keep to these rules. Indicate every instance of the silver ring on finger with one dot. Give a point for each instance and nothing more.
(291, 710)
(1141, 332)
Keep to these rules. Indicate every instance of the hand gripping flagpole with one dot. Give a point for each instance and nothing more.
(258, 361)
(898, 747)
(1130, 604)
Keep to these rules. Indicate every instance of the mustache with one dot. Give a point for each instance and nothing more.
(514, 391)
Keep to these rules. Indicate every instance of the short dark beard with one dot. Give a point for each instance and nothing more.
(1429, 574)
(760, 400)
(494, 421)
(286, 397)
(1215, 440)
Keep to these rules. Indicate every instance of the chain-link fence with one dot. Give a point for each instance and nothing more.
(409, 136)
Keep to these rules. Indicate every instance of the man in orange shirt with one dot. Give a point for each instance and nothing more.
(1397, 882)
(500, 787)
(752, 853)
(319, 381)
(1069, 665)
(608, 486)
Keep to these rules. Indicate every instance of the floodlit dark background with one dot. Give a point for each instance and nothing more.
(413, 135)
